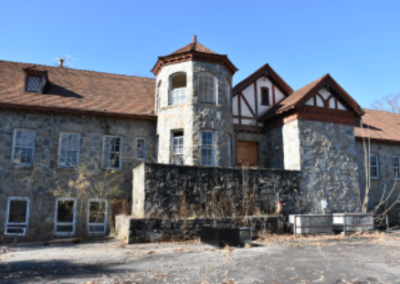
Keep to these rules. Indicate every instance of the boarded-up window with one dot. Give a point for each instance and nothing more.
(247, 153)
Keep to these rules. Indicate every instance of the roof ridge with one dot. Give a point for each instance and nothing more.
(76, 69)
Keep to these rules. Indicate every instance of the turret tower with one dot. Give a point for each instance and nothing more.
(193, 103)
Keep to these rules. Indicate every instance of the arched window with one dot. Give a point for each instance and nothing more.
(159, 92)
(207, 86)
(177, 92)
(227, 93)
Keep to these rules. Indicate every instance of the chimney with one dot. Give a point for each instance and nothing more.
(61, 62)
(194, 38)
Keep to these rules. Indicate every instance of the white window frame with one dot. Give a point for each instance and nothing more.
(171, 95)
(97, 224)
(230, 164)
(77, 151)
(120, 152)
(14, 146)
(377, 166)
(17, 225)
(212, 148)
(175, 156)
(200, 99)
(65, 223)
(393, 168)
(139, 150)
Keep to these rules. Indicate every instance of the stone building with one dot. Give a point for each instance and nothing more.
(70, 140)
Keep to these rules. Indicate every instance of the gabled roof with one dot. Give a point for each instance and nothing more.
(378, 125)
(194, 51)
(194, 46)
(264, 70)
(298, 98)
(73, 90)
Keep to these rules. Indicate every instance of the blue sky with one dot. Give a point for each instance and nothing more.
(357, 42)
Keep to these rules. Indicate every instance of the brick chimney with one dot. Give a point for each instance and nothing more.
(61, 62)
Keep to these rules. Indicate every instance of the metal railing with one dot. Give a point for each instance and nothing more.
(344, 225)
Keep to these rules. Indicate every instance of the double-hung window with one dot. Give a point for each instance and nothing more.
(395, 160)
(17, 216)
(207, 86)
(97, 216)
(112, 152)
(23, 147)
(228, 98)
(207, 148)
(141, 148)
(177, 89)
(374, 166)
(229, 151)
(65, 217)
(177, 147)
(69, 150)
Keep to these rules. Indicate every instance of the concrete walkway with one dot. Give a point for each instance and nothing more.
(278, 260)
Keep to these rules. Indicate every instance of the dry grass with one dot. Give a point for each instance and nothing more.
(319, 240)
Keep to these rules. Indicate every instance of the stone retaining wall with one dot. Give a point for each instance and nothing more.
(150, 230)
(174, 191)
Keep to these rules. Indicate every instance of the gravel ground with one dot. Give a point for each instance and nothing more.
(278, 259)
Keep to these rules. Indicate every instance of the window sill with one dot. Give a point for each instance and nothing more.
(375, 178)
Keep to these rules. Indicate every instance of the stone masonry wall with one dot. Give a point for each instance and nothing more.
(150, 230)
(192, 116)
(175, 191)
(48, 181)
(329, 168)
(273, 151)
(382, 186)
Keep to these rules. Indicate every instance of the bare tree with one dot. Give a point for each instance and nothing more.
(390, 103)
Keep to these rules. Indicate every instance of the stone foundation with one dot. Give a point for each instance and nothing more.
(151, 230)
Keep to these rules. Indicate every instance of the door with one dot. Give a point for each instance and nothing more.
(247, 154)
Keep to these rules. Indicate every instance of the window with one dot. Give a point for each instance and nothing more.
(228, 95)
(230, 151)
(23, 147)
(177, 89)
(141, 148)
(207, 148)
(17, 216)
(177, 147)
(65, 217)
(396, 167)
(112, 152)
(264, 96)
(69, 150)
(158, 106)
(207, 88)
(374, 166)
(97, 216)
(34, 84)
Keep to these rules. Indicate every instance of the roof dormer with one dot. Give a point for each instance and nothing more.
(35, 79)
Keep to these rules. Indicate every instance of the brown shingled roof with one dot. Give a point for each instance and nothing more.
(300, 97)
(194, 46)
(379, 125)
(76, 90)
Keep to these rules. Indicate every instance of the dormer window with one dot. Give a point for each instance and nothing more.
(35, 79)
(34, 84)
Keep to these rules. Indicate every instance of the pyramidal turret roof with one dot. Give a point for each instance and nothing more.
(194, 46)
